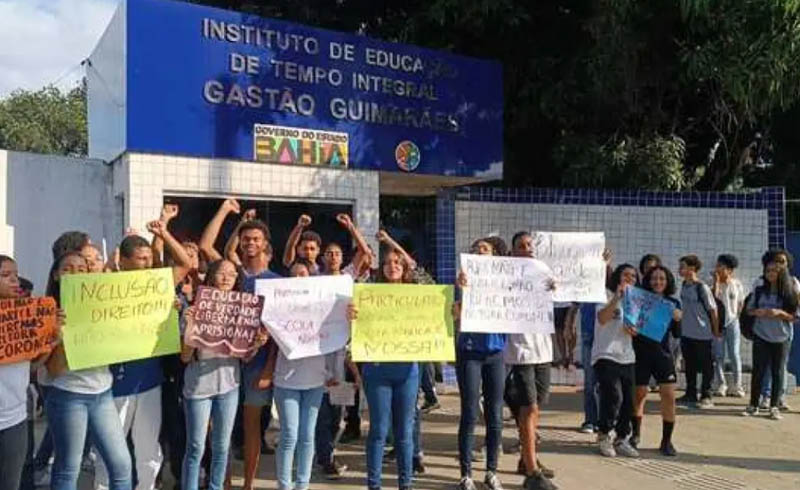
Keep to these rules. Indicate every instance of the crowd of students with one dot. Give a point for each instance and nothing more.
(172, 402)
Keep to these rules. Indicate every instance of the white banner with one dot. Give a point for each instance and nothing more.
(506, 295)
(576, 260)
(307, 316)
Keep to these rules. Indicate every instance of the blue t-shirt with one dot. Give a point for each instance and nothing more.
(134, 377)
(249, 286)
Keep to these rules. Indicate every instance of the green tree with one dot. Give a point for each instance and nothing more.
(45, 121)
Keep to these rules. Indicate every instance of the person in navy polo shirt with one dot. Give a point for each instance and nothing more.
(137, 384)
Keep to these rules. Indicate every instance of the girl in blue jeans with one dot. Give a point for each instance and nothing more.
(391, 390)
(81, 400)
(210, 391)
(299, 387)
(480, 368)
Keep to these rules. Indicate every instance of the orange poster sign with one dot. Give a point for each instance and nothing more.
(27, 328)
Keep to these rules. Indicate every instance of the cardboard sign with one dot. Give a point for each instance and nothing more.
(225, 322)
(27, 328)
(650, 313)
(506, 295)
(307, 316)
(119, 317)
(403, 322)
(577, 263)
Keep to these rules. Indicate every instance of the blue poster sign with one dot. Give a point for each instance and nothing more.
(216, 83)
(649, 313)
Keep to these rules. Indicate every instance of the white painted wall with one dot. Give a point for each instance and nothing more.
(47, 195)
(631, 231)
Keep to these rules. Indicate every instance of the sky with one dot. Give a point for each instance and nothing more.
(44, 41)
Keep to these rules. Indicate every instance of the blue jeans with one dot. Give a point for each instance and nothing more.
(329, 421)
(297, 410)
(475, 371)
(221, 410)
(591, 400)
(766, 386)
(71, 416)
(391, 390)
(728, 345)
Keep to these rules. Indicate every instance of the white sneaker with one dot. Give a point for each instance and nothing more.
(736, 392)
(606, 446)
(775, 413)
(624, 448)
(750, 411)
(764, 403)
(721, 390)
(783, 405)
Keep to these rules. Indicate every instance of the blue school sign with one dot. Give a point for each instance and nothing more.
(214, 83)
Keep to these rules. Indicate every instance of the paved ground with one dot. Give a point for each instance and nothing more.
(719, 450)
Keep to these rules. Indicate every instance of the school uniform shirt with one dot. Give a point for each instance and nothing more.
(732, 296)
(305, 373)
(528, 348)
(134, 377)
(611, 342)
(770, 329)
(14, 380)
(249, 286)
(210, 374)
(90, 381)
(696, 324)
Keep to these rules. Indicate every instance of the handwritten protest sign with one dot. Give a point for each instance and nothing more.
(577, 263)
(506, 295)
(119, 317)
(225, 322)
(650, 313)
(403, 322)
(307, 316)
(27, 328)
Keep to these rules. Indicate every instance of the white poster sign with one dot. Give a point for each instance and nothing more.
(307, 316)
(506, 295)
(576, 260)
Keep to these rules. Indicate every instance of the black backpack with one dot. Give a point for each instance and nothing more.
(746, 321)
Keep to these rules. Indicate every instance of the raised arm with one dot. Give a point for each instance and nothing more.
(232, 245)
(168, 212)
(606, 314)
(361, 243)
(294, 238)
(211, 232)
(384, 237)
(183, 263)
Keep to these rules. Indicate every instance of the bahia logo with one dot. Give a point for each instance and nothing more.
(407, 155)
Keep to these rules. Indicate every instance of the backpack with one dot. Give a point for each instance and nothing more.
(722, 313)
(746, 321)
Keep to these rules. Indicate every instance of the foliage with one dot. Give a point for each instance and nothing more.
(45, 121)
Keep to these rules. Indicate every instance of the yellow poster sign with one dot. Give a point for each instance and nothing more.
(119, 317)
(403, 322)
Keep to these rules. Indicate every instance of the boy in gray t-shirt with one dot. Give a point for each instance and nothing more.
(700, 324)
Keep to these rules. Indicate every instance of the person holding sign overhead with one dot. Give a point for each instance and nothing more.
(480, 369)
(137, 384)
(79, 402)
(613, 361)
(654, 358)
(529, 356)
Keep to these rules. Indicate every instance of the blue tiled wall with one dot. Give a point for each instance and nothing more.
(770, 198)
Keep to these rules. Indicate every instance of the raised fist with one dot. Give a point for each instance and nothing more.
(157, 228)
(344, 220)
(382, 236)
(304, 220)
(168, 212)
(249, 215)
(232, 206)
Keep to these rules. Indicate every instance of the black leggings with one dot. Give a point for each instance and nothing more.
(698, 358)
(766, 355)
(616, 396)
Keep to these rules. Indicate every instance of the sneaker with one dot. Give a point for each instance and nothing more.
(667, 449)
(763, 404)
(429, 407)
(334, 470)
(41, 478)
(466, 483)
(492, 481)
(750, 411)
(538, 481)
(686, 401)
(606, 446)
(389, 455)
(419, 466)
(477, 456)
(586, 428)
(634, 441)
(705, 403)
(736, 393)
(624, 448)
(547, 472)
(783, 405)
(721, 390)
(775, 413)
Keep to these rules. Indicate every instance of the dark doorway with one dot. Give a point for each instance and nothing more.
(280, 216)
